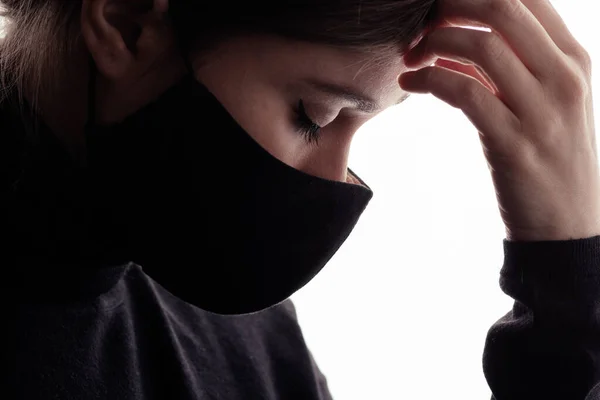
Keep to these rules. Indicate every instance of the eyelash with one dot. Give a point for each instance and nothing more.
(307, 127)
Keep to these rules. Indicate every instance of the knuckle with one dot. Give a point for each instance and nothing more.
(574, 84)
(584, 59)
(573, 96)
(504, 8)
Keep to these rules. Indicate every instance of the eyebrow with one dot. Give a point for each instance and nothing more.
(362, 102)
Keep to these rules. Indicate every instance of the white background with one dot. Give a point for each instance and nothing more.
(402, 310)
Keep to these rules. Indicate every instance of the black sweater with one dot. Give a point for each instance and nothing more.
(115, 333)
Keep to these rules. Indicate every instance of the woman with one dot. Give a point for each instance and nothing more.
(174, 171)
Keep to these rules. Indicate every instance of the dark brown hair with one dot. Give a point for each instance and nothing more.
(41, 34)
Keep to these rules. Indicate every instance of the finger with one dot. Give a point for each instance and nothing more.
(468, 69)
(519, 88)
(485, 111)
(475, 72)
(554, 25)
(515, 23)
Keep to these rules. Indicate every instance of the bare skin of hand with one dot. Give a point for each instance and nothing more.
(526, 87)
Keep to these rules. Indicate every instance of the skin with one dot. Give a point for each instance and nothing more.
(535, 122)
(258, 79)
(525, 86)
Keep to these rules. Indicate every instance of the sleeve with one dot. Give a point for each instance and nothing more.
(548, 346)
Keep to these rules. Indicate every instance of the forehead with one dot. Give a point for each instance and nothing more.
(282, 61)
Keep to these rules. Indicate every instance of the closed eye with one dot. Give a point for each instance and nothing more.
(306, 126)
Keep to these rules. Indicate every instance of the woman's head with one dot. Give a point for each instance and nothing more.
(266, 62)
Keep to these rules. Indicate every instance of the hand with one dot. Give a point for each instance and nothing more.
(526, 87)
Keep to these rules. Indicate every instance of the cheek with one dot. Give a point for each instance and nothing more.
(259, 109)
(270, 122)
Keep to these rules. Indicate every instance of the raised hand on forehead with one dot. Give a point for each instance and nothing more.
(526, 87)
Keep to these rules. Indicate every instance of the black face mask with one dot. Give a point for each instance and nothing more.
(208, 213)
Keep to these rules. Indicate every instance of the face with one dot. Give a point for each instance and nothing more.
(302, 102)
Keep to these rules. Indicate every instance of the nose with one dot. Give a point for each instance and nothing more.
(329, 160)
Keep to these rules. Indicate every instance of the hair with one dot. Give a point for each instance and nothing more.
(41, 35)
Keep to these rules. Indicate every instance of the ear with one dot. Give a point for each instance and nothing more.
(125, 37)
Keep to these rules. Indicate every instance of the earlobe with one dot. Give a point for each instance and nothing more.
(104, 41)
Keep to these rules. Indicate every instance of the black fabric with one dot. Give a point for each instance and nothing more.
(116, 333)
(181, 182)
(137, 341)
(548, 345)
(81, 327)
